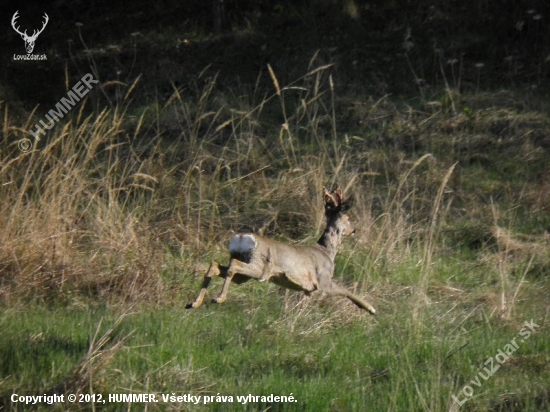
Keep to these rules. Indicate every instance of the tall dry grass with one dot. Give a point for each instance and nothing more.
(124, 203)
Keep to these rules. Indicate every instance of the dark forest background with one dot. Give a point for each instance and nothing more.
(377, 47)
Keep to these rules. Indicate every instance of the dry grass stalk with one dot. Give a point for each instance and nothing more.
(101, 351)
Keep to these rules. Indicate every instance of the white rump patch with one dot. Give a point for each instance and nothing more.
(242, 244)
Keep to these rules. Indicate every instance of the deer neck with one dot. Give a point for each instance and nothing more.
(330, 241)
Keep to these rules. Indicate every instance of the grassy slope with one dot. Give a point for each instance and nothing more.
(121, 211)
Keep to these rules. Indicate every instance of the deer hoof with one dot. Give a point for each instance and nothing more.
(191, 305)
(218, 300)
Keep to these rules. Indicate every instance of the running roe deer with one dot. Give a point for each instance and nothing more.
(303, 268)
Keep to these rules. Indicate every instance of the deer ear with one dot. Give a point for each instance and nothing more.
(347, 204)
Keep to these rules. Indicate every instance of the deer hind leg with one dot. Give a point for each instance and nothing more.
(215, 270)
(335, 289)
(267, 271)
(237, 270)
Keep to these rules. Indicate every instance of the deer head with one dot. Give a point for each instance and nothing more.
(29, 40)
(334, 202)
(335, 210)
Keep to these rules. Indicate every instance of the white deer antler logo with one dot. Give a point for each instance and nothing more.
(29, 40)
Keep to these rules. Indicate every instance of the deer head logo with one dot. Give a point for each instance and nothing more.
(29, 40)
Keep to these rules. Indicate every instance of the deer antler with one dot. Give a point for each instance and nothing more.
(46, 20)
(330, 201)
(35, 32)
(13, 19)
(334, 199)
(338, 193)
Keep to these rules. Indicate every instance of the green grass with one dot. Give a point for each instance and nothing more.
(265, 341)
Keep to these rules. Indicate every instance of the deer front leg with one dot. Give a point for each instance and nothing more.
(241, 269)
(215, 270)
